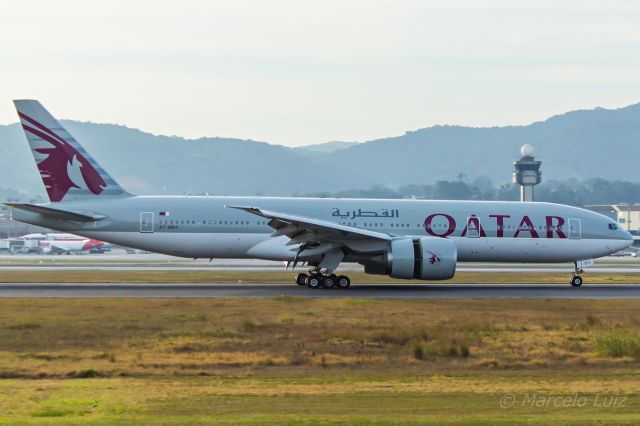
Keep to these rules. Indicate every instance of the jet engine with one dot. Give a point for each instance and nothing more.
(428, 258)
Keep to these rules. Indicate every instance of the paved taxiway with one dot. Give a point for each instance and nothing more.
(405, 291)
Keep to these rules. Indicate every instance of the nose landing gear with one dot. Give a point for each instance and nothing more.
(576, 279)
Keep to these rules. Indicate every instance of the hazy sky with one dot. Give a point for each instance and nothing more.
(300, 72)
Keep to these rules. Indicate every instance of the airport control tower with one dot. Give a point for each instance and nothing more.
(527, 172)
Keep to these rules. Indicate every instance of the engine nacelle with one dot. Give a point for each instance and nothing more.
(428, 258)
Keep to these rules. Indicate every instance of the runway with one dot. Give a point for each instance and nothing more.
(279, 268)
(377, 291)
(118, 261)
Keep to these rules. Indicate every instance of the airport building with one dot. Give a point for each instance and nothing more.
(627, 215)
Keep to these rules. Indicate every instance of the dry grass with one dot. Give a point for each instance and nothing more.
(60, 338)
(291, 360)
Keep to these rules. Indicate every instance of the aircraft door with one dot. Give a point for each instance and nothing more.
(575, 228)
(473, 227)
(146, 221)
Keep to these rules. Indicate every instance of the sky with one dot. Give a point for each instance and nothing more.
(297, 72)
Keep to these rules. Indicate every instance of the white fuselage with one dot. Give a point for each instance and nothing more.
(201, 227)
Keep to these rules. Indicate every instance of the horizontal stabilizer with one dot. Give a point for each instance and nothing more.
(57, 213)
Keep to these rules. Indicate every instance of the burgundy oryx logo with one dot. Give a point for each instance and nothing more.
(433, 258)
(62, 160)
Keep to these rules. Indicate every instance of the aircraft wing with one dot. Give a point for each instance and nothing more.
(319, 237)
(292, 225)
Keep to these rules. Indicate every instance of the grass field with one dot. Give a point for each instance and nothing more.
(250, 277)
(297, 360)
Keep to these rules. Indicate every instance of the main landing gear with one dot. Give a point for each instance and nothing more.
(318, 279)
(576, 279)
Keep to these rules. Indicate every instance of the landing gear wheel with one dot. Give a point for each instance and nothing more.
(328, 281)
(301, 278)
(576, 281)
(313, 281)
(343, 281)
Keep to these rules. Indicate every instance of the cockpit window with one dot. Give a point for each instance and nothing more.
(613, 226)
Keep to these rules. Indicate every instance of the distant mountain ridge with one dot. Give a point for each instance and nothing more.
(579, 144)
(327, 147)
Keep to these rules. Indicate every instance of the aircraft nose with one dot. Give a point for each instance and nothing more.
(622, 240)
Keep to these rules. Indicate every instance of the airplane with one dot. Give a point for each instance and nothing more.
(406, 239)
(68, 246)
(65, 243)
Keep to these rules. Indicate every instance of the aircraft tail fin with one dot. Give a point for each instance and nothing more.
(66, 168)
